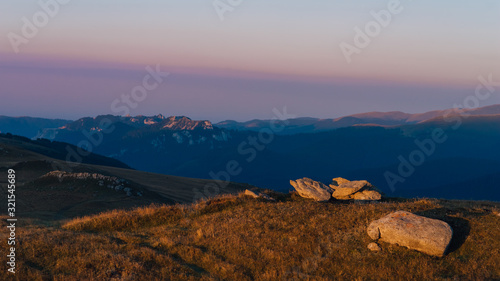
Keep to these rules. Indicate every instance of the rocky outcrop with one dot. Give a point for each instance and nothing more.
(110, 182)
(415, 232)
(258, 195)
(179, 123)
(82, 176)
(340, 189)
(356, 190)
(309, 188)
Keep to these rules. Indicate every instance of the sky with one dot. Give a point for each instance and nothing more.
(242, 62)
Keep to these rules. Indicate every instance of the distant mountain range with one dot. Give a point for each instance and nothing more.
(44, 128)
(367, 146)
(312, 125)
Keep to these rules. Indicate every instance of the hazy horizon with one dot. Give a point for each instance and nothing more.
(260, 56)
(221, 120)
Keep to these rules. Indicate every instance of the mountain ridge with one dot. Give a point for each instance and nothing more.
(198, 149)
(48, 128)
(390, 118)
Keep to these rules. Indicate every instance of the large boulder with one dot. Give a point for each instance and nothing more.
(309, 188)
(415, 232)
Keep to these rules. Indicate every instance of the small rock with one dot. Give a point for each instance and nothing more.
(251, 193)
(258, 195)
(267, 197)
(309, 188)
(374, 247)
(415, 232)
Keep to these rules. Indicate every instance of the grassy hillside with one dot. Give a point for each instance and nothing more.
(51, 199)
(239, 238)
(53, 149)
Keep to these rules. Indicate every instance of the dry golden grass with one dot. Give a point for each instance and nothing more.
(239, 238)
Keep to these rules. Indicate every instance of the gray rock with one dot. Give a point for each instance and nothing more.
(309, 188)
(374, 247)
(415, 232)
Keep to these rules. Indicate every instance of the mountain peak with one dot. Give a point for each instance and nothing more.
(185, 123)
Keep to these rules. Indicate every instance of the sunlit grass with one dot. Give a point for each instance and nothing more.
(239, 238)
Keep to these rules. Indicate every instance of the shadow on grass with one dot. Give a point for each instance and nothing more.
(460, 226)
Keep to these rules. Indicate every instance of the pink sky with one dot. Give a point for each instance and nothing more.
(262, 55)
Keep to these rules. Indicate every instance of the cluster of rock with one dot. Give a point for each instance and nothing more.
(82, 176)
(102, 180)
(340, 189)
(255, 194)
(415, 232)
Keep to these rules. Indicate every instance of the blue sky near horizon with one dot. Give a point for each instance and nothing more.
(264, 54)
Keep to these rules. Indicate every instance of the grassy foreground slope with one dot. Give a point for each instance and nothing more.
(240, 238)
